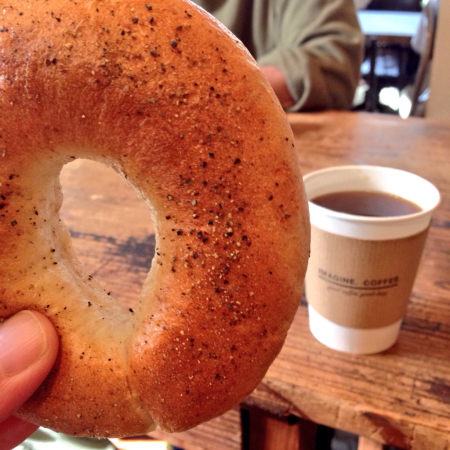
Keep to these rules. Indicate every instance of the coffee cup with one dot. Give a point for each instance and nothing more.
(362, 267)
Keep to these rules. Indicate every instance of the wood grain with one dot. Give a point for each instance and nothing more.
(222, 433)
(111, 228)
(400, 397)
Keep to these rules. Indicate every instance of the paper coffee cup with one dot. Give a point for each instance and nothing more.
(362, 269)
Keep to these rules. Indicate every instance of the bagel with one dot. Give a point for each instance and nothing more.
(166, 96)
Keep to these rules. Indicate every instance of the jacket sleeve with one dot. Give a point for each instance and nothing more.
(318, 46)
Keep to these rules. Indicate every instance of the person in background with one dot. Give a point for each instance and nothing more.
(309, 50)
(28, 349)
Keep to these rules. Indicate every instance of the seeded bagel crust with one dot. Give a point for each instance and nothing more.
(167, 97)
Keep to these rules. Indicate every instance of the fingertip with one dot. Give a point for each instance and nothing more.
(51, 337)
(28, 350)
(26, 339)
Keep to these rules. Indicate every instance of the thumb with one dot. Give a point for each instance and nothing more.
(28, 349)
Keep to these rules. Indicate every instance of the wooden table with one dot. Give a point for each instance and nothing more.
(400, 397)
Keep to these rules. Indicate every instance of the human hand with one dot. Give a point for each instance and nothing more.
(277, 80)
(28, 349)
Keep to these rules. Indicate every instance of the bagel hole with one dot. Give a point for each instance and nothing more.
(111, 228)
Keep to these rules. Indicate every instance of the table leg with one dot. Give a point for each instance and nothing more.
(371, 100)
(264, 431)
(365, 443)
(402, 64)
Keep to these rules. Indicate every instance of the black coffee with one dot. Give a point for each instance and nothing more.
(367, 203)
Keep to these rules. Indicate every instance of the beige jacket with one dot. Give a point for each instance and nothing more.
(316, 43)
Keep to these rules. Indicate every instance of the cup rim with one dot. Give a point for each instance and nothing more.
(369, 219)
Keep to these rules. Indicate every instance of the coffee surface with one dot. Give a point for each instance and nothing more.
(367, 203)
